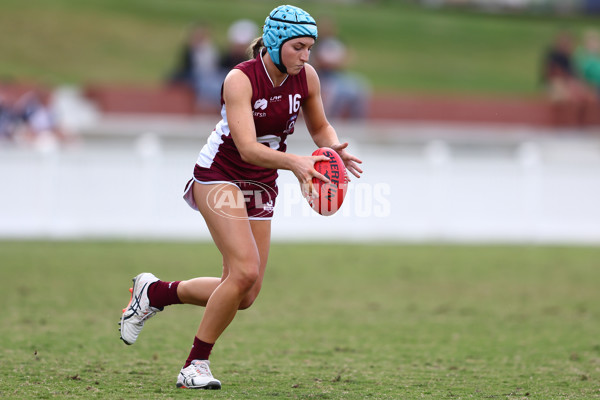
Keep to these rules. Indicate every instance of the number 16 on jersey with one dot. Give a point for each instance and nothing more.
(294, 103)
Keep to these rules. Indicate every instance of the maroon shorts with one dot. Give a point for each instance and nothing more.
(258, 197)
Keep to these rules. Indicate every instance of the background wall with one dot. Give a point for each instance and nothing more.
(422, 182)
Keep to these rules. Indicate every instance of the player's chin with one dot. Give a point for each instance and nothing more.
(295, 70)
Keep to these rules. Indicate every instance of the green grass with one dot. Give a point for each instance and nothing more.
(332, 322)
(398, 46)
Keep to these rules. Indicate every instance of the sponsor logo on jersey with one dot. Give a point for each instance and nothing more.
(274, 99)
(260, 104)
(268, 206)
(289, 126)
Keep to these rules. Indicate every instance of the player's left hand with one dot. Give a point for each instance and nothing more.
(351, 162)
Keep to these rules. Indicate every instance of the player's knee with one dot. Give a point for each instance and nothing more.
(251, 296)
(248, 279)
(247, 302)
(246, 276)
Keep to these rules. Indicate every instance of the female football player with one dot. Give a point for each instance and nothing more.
(260, 104)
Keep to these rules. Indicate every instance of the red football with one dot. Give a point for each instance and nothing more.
(331, 195)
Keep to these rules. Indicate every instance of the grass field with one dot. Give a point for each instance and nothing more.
(332, 322)
(398, 46)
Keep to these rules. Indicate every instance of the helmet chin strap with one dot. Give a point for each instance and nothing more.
(281, 67)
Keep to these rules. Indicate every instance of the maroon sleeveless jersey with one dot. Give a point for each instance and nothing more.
(275, 110)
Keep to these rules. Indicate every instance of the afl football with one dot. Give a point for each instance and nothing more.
(330, 195)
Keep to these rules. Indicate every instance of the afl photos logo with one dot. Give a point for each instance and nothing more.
(256, 197)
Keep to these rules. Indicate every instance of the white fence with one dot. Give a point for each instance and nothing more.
(421, 183)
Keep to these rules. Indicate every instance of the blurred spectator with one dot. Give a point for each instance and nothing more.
(572, 98)
(345, 94)
(587, 60)
(239, 37)
(39, 124)
(198, 67)
(7, 119)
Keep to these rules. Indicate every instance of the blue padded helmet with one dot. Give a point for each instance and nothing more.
(285, 23)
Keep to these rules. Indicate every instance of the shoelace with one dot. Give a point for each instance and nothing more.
(147, 315)
(201, 368)
(142, 315)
